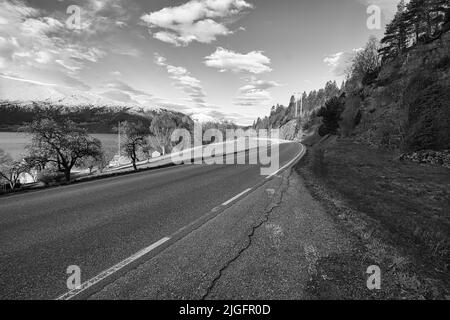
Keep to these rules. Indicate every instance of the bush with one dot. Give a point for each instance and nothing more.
(50, 177)
(331, 115)
(428, 115)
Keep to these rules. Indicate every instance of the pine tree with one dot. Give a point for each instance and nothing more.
(415, 18)
(438, 10)
(446, 25)
(396, 38)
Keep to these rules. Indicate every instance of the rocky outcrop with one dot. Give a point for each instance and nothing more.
(291, 131)
(408, 107)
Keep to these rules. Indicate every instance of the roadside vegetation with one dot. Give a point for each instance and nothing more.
(379, 152)
(379, 158)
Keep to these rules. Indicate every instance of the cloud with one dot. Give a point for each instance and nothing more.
(340, 62)
(121, 91)
(183, 80)
(226, 60)
(255, 84)
(32, 43)
(122, 86)
(255, 93)
(197, 20)
(119, 96)
(28, 81)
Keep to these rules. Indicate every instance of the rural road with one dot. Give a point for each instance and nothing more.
(97, 224)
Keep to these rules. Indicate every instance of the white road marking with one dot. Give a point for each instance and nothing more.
(237, 197)
(105, 274)
(100, 277)
(289, 163)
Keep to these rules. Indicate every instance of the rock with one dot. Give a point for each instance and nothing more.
(441, 158)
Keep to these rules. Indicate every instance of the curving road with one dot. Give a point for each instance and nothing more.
(97, 224)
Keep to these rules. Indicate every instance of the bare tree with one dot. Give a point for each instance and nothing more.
(61, 142)
(10, 169)
(135, 135)
(367, 62)
(162, 127)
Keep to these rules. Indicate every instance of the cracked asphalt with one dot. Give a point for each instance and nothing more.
(97, 224)
(266, 246)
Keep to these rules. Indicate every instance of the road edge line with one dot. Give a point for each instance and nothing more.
(174, 238)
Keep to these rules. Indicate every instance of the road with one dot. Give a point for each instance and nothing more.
(95, 225)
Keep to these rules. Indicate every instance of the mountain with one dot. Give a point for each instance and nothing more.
(24, 91)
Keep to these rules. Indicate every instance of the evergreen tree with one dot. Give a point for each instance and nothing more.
(438, 9)
(396, 38)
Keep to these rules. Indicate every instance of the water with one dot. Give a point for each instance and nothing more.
(14, 143)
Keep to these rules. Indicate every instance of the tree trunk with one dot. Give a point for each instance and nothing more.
(67, 174)
(12, 184)
(134, 159)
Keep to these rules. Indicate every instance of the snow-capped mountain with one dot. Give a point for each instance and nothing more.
(26, 91)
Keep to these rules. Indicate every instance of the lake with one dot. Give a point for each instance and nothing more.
(14, 143)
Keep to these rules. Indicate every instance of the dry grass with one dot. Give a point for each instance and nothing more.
(397, 213)
(410, 201)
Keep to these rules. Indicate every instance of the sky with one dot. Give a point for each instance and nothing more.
(212, 59)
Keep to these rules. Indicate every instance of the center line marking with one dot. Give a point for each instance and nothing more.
(237, 197)
(86, 285)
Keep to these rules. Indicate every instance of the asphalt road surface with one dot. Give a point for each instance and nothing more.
(95, 225)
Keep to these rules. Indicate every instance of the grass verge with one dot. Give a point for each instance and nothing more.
(399, 210)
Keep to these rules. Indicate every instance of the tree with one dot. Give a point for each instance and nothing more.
(331, 115)
(366, 64)
(61, 142)
(395, 41)
(135, 135)
(107, 154)
(161, 128)
(10, 170)
(89, 163)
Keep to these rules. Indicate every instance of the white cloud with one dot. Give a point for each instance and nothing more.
(340, 62)
(255, 93)
(122, 86)
(255, 84)
(226, 60)
(33, 45)
(183, 80)
(197, 20)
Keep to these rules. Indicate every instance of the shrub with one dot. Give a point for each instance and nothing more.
(50, 177)
(331, 115)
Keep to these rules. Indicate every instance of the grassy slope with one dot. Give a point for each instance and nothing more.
(398, 210)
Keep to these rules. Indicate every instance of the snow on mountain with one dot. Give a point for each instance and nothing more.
(202, 118)
(29, 91)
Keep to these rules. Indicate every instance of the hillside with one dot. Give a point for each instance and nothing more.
(96, 119)
(379, 157)
(408, 106)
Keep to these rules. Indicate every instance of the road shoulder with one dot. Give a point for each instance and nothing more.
(269, 245)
